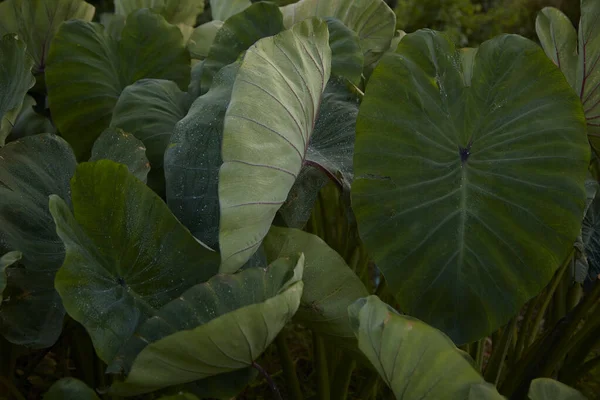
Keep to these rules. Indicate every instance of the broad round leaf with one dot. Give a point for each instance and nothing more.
(470, 169)
(6, 261)
(70, 389)
(88, 69)
(174, 11)
(372, 20)
(577, 55)
(37, 21)
(330, 286)
(31, 169)
(237, 34)
(15, 81)
(221, 10)
(127, 255)
(415, 360)
(149, 109)
(549, 389)
(186, 338)
(269, 122)
(123, 148)
(202, 38)
(193, 159)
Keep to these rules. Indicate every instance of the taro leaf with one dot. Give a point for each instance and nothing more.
(549, 389)
(237, 34)
(185, 340)
(127, 255)
(221, 10)
(202, 38)
(6, 261)
(462, 172)
(70, 389)
(347, 57)
(193, 158)
(414, 359)
(174, 11)
(484, 391)
(15, 81)
(37, 21)
(577, 55)
(590, 234)
(296, 210)
(29, 122)
(123, 148)
(88, 69)
(330, 285)
(113, 24)
(31, 169)
(194, 89)
(149, 109)
(268, 125)
(372, 20)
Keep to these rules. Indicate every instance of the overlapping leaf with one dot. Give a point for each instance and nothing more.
(123, 148)
(6, 261)
(126, 254)
(70, 389)
(462, 172)
(184, 341)
(221, 10)
(174, 11)
(549, 389)
(31, 169)
(88, 69)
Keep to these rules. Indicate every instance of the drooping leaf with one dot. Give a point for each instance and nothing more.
(185, 341)
(126, 254)
(221, 10)
(29, 122)
(577, 55)
(237, 34)
(149, 110)
(123, 148)
(415, 360)
(6, 261)
(372, 20)
(70, 389)
(31, 169)
(202, 38)
(346, 55)
(37, 21)
(330, 285)
(88, 69)
(549, 389)
(193, 159)
(269, 121)
(15, 81)
(461, 174)
(174, 11)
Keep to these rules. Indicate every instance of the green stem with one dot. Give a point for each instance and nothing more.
(321, 368)
(574, 296)
(289, 369)
(523, 333)
(499, 351)
(342, 378)
(479, 355)
(369, 386)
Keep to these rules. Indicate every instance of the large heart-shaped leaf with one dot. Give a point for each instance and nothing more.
(123, 148)
(330, 286)
(372, 20)
(15, 81)
(37, 21)
(149, 109)
(221, 10)
(577, 55)
(268, 124)
(185, 340)
(237, 34)
(6, 261)
(127, 255)
(88, 69)
(415, 360)
(549, 389)
(31, 169)
(70, 389)
(193, 159)
(464, 163)
(174, 11)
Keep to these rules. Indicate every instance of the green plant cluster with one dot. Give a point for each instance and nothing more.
(248, 199)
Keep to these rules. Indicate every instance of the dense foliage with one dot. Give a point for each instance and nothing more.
(236, 199)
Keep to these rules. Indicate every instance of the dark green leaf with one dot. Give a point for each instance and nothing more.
(127, 255)
(549, 389)
(123, 148)
(347, 57)
(70, 389)
(462, 172)
(174, 11)
(6, 261)
(29, 122)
